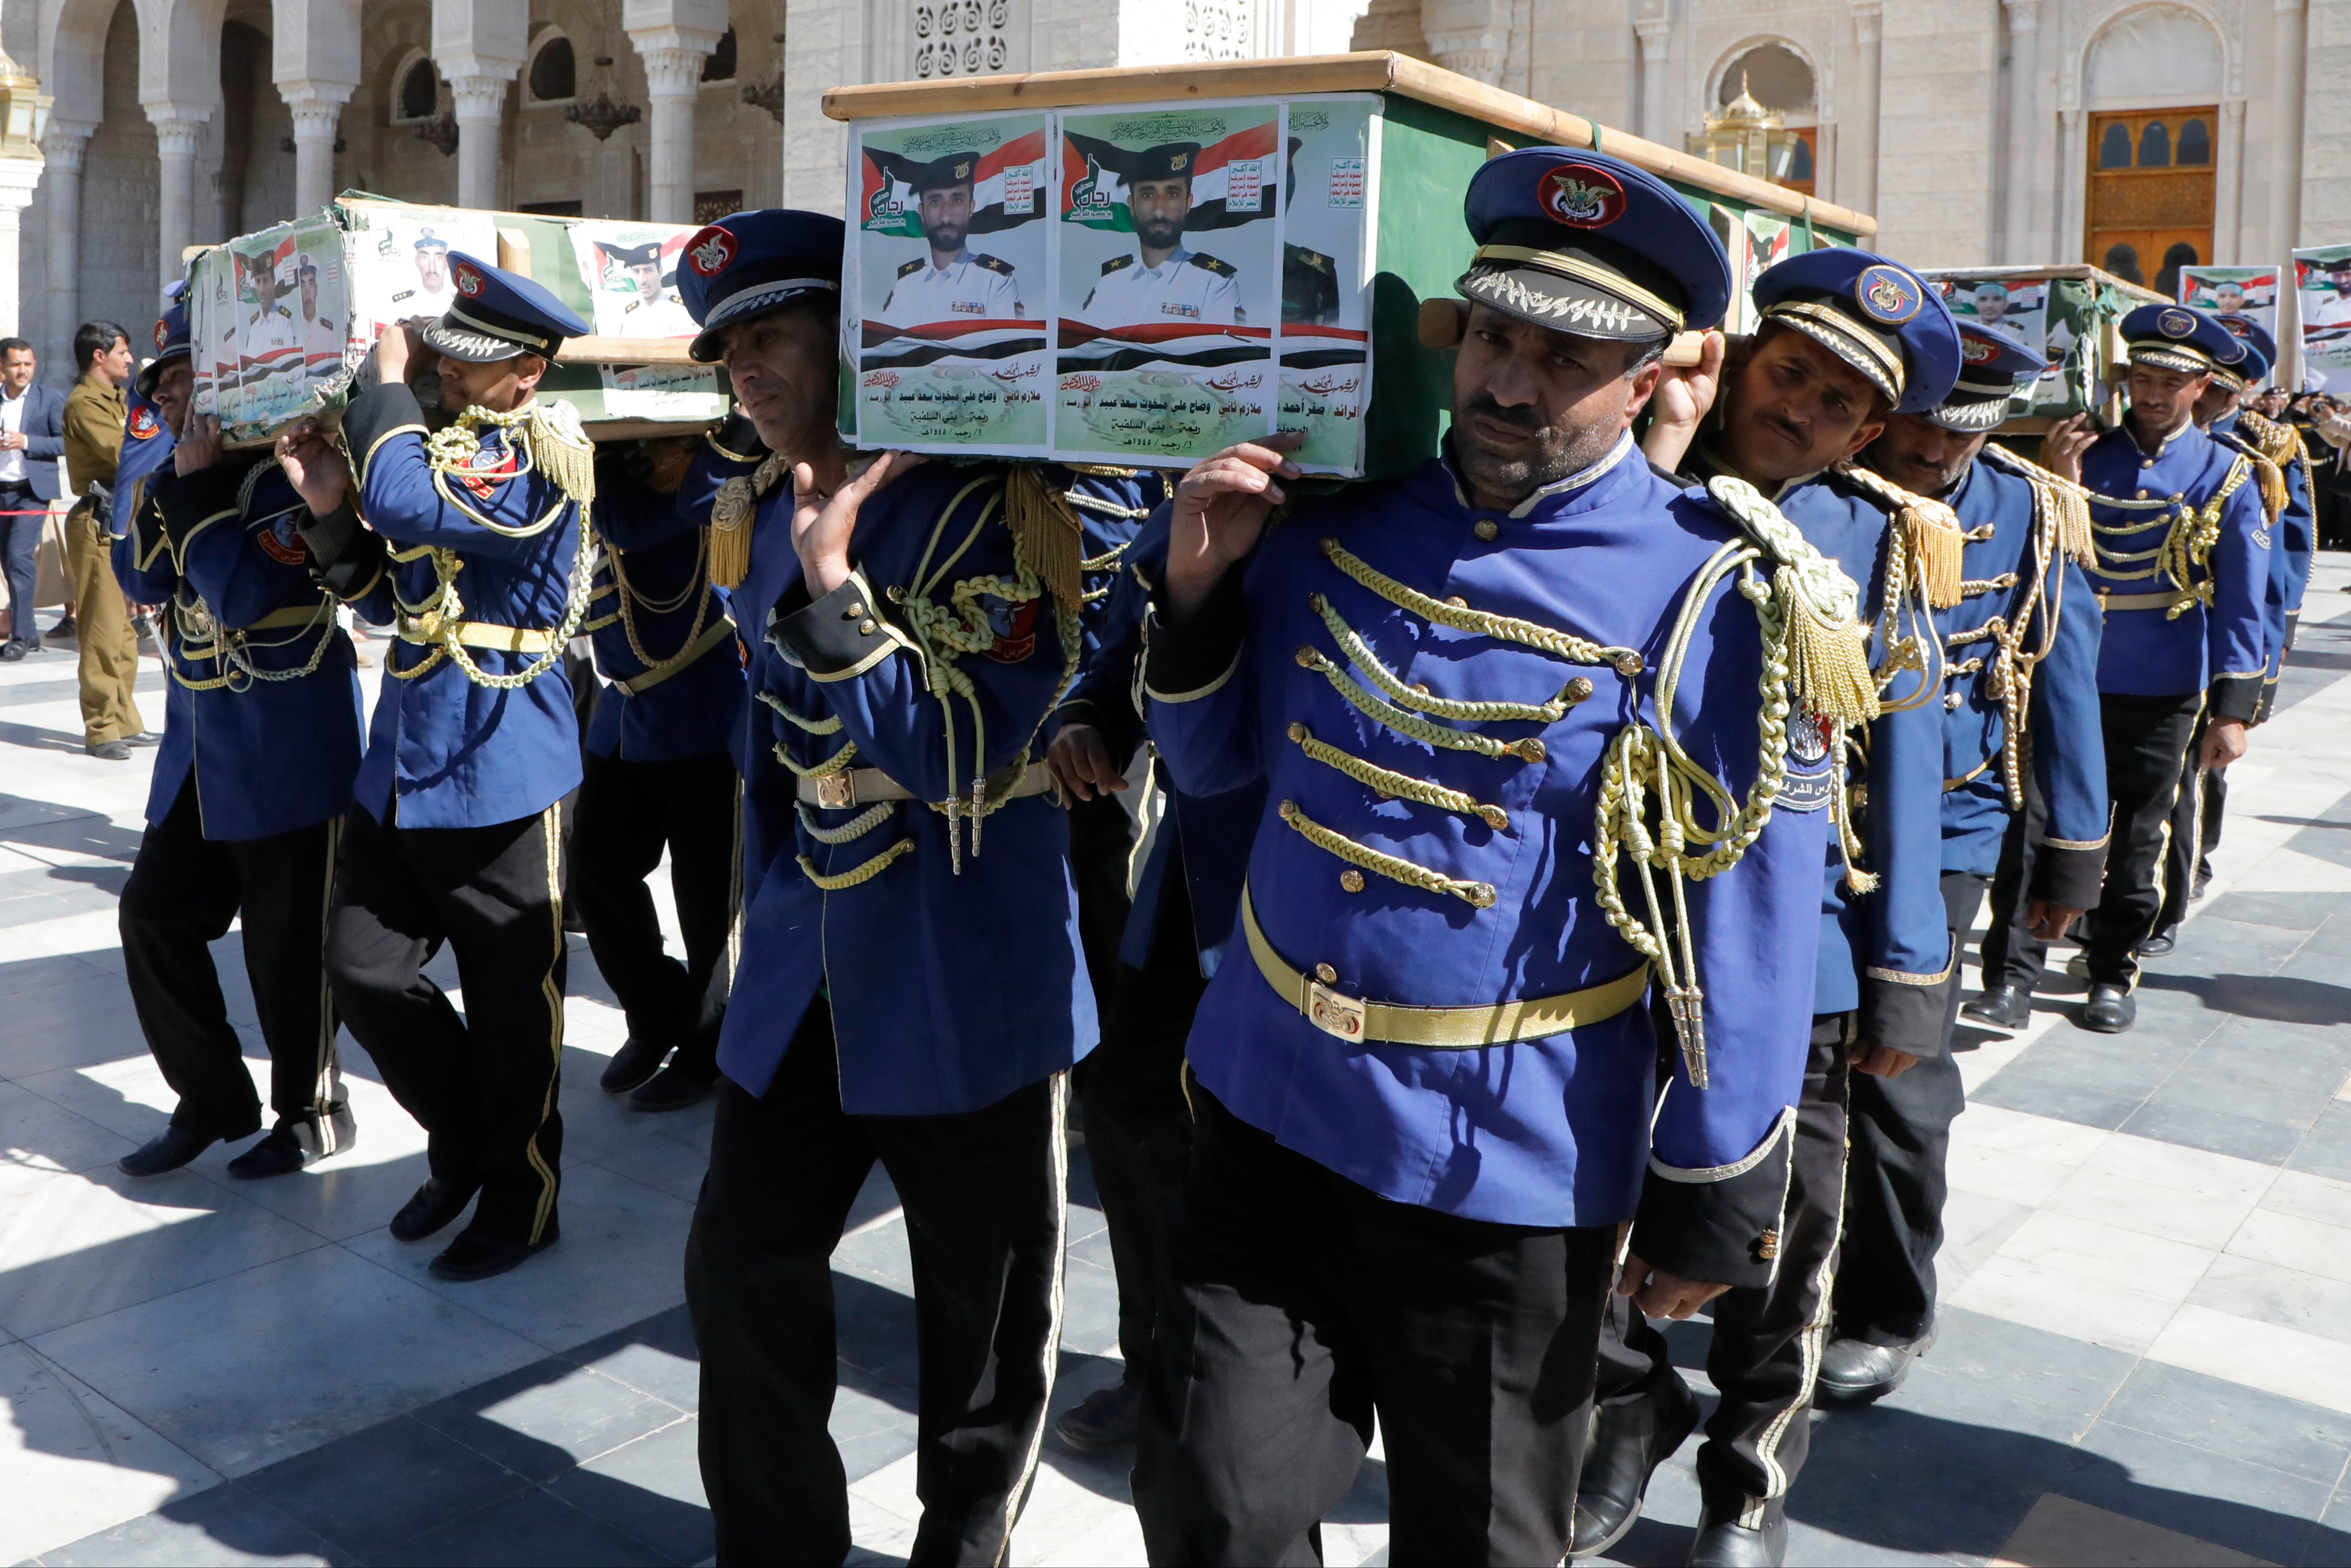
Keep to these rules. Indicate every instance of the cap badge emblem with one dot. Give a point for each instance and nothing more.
(2176, 324)
(163, 333)
(1976, 351)
(469, 281)
(1888, 295)
(1580, 197)
(709, 252)
(1178, 159)
(2237, 326)
(963, 170)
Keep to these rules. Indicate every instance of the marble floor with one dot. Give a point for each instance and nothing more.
(2144, 1353)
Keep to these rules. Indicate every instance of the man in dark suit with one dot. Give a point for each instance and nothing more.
(32, 437)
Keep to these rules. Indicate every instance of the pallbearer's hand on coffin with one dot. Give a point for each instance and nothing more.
(199, 445)
(822, 523)
(315, 466)
(1220, 510)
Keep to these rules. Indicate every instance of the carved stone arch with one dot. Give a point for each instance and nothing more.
(1710, 90)
(2090, 22)
(184, 67)
(398, 74)
(72, 58)
(543, 36)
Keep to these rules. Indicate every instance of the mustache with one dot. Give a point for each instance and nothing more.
(1522, 417)
(1786, 427)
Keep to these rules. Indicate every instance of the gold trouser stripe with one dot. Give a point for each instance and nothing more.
(1057, 1119)
(329, 1075)
(717, 631)
(550, 824)
(482, 634)
(1454, 1028)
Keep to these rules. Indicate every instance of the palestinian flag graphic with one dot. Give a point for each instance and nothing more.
(1233, 180)
(1007, 189)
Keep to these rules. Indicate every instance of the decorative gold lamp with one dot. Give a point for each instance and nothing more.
(1748, 137)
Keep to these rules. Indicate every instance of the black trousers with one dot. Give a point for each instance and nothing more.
(2195, 829)
(1899, 1139)
(484, 1087)
(984, 1196)
(1299, 1304)
(183, 890)
(1767, 1339)
(1138, 1125)
(20, 541)
(1102, 838)
(2146, 741)
(627, 813)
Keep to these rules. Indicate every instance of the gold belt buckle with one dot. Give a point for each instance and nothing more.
(1333, 1012)
(837, 791)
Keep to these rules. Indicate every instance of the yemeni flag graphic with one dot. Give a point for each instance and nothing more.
(1005, 191)
(1232, 181)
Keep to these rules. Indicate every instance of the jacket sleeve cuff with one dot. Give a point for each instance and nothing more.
(188, 503)
(737, 439)
(1906, 1010)
(1722, 1225)
(374, 417)
(842, 635)
(2236, 696)
(2070, 875)
(1189, 660)
(345, 558)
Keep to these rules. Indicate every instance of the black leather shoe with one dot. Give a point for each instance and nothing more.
(174, 1148)
(1107, 1418)
(2197, 889)
(1856, 1372)
(2162, 942)
(1629, 1441)
(1723, 1543)
(672, 1089)
(279, 1152)
(477, 1257)
(436, 1203)
(633, 1064)
(110, 751)
(2110, 1009)
(2002, 1007)
(11, 652)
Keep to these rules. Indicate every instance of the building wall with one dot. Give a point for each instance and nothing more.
(121, 175)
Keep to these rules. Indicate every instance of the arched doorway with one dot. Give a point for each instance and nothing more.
(2151, 185)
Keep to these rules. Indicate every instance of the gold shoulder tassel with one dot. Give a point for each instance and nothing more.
(561, 450)
(1828, 648)
(1046, 537)
(732, 512)
(1930, 531)
(2272, 483)
(2065, 501)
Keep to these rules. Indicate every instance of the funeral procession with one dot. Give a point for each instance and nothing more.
(1271, 782)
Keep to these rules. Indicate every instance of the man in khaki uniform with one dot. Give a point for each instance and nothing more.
(109, 648)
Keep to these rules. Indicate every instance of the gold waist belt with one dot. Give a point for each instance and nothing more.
(1358, 1021)
(2140, 600)
(860, 786)
(478, 634)
(294, 615)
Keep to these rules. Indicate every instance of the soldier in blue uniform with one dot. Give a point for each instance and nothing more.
(261, 739)
(2282, 468)
(2019, 701)
(2183, 573)
(478, 542)
(1848, 339)
(659, 773)
(1138, 1126)
(910, 988)
(1485, 701)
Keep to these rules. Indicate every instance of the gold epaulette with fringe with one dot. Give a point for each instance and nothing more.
(2063, 500)
(732, 512)
(1828, 647)
(1930, 532)
(2281, 444)
(1047, 537)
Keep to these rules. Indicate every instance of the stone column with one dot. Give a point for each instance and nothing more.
(672, 59)
(2075, 186)
(2024, 158)
(1471, 37)
(17, 178)
(317, 110)
(1868, 30)
(65, 146)
(2228, 229)
(1656, 45)
(2288, 31)
(481, 104)
(178, 132)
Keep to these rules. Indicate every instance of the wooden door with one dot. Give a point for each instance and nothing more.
(2151, 193)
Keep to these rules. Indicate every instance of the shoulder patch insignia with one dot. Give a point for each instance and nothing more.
(1114, 262)
(910, 268)
(995, 264)
(1207, 263)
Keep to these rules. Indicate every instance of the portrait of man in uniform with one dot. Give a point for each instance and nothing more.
(321, 331)
(1160, 282)
(432, 266)
(1992, 304)
(950, 281)
(2228, 298)
(656, 311)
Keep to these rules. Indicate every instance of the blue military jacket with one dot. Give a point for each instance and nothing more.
(446, 750)
(1886, 953)
(947, 946)
(1427, 689)
(2180, 531)
(664, 643)
(1203, 839)
(263, 703)
(2022, 646)
(2294, 530)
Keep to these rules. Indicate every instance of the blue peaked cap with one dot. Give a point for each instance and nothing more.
(754, 261)
(171, 344)
(498, 314)
(1994, 364)
(1875, 314)
(1586, 243)
(2176, 338)
(2260, 356)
